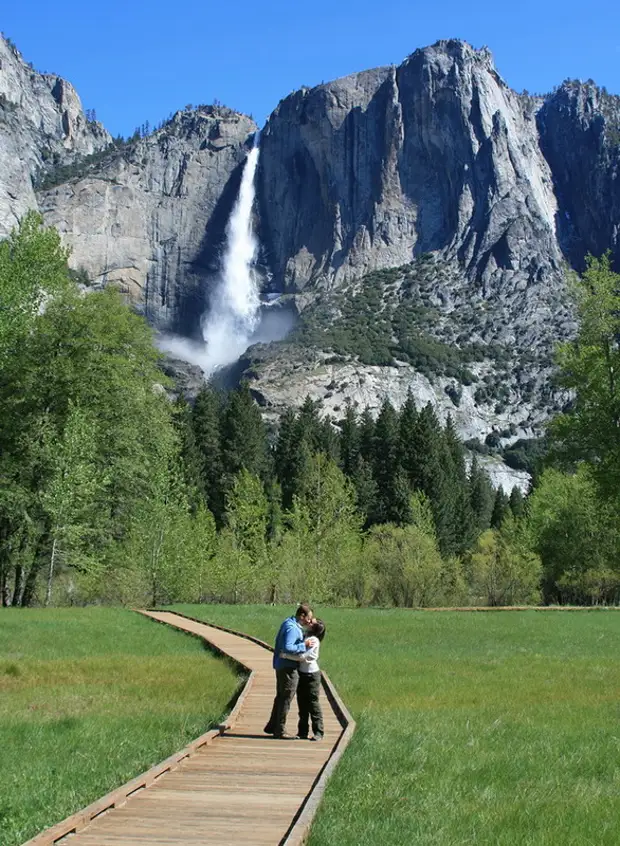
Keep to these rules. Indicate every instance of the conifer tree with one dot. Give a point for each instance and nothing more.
(328, 439)
(516, 502)
(422, 462)
(500, 508)
(292, 456)
(310, 427)
(481, 497)
(367, 436)
(463, 530)
(429, 466)
(243, 436)
(407, 424)
(190, 456)
(206, 427)
(386, 467)
(349, 442)
(365, 490)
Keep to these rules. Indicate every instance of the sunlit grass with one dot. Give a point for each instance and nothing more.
(90, 698)
(495, 728)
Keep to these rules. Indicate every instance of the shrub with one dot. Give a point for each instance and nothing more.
(503, 570)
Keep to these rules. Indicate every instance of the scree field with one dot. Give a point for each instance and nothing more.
(90, 698)
(473, 728)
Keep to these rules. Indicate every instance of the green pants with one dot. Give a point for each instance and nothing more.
(308, 689)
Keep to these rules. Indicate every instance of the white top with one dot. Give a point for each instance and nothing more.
(308, 660)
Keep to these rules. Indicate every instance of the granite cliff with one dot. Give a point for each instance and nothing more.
(147, 215)
(472, 200)
(42, 125)
(150, 217)
(460, 205)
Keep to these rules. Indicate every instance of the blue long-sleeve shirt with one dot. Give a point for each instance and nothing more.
(290, 638)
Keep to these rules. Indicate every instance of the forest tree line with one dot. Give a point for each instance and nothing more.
(111, 492)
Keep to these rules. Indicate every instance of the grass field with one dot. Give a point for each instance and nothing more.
(90, 698)
(473, 728)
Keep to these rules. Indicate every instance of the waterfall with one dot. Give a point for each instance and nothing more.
(236, 317)
(235, 304)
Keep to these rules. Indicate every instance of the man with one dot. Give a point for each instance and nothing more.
(290, 638)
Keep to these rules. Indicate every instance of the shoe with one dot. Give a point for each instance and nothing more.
(302, 737)
(268, 729)
(284, 736)
(317, 737)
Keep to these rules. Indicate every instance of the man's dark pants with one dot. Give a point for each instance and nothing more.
(286, 685)
(308, 691)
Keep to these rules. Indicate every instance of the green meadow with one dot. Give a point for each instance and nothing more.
(472, 728)
(90, 698)
(485, 728)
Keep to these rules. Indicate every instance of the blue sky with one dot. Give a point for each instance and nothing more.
(134, 61)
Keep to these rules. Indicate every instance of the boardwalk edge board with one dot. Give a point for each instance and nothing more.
(117, 797)
(297, 833)
(300, 827)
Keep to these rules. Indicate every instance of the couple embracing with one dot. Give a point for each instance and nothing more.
(295, 660)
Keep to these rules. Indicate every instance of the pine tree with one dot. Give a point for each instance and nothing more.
(386, 467)
(517, 502)
(292, 456)
(243, 436)
(500, 508)
(430, 469)
(422, 462)
(328, 441)
(463, 529)
(191, 457)
(481, 497)
(407, 425)
(349, 442)
(310, 427)
(367, 436)
(205, 420)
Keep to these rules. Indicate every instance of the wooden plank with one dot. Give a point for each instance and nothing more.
(228, 786)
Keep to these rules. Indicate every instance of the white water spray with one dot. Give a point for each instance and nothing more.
(235, 305)
(234, 318)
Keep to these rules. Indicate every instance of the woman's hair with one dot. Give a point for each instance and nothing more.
(317, 629)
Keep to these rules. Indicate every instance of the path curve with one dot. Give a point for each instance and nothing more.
(230, 786)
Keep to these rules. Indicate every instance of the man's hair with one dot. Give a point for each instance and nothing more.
(317, 629)
(304, 610)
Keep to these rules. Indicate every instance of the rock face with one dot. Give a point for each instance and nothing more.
(579, 127)
(151, 216)
(41, 124)
(437, 154)
(440, 156)
(283, 379)
(438, 159)
(148, 215)
(436, 165)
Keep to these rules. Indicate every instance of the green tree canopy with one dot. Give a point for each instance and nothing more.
(590, 367)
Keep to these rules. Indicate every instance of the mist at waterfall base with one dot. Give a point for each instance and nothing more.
(273, 324)
(237, 318)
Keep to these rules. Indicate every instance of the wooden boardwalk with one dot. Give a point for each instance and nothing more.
(232, 786)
